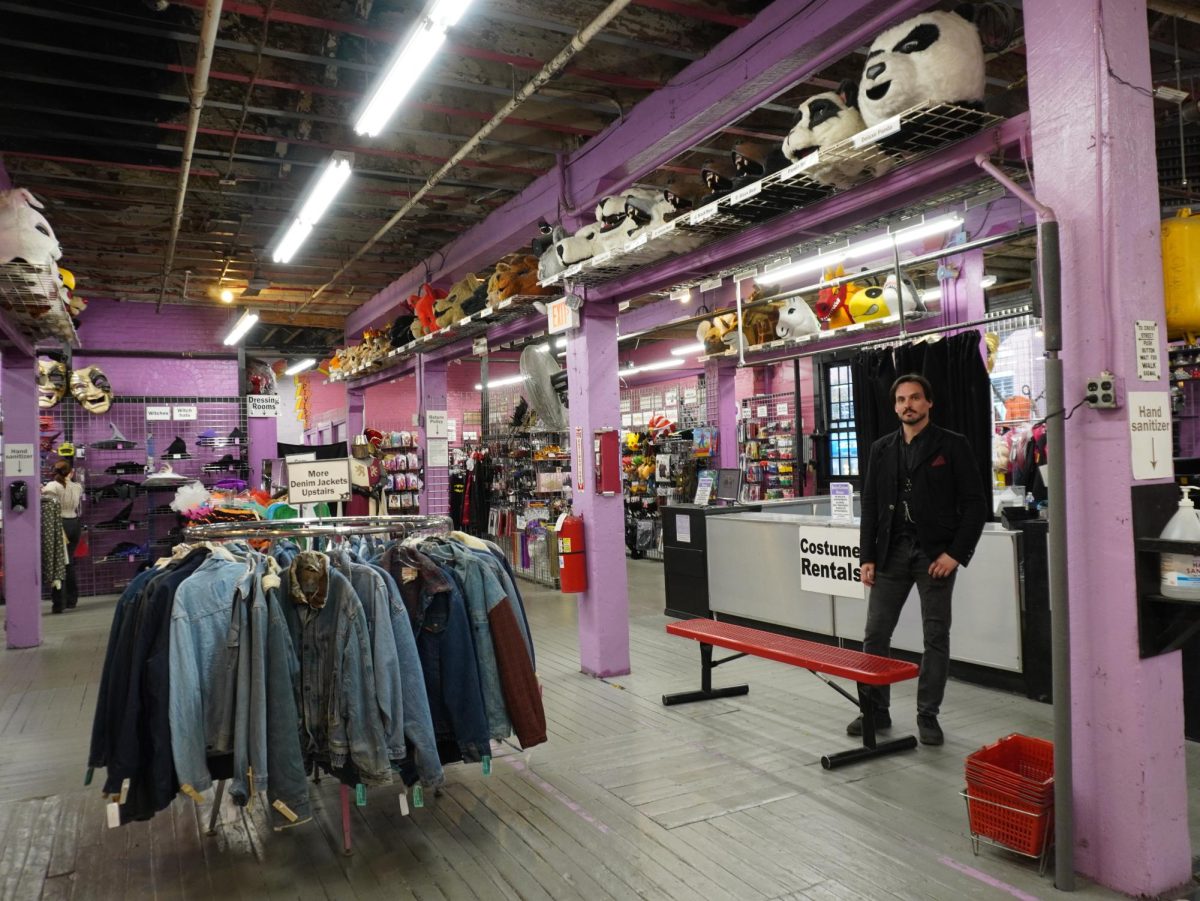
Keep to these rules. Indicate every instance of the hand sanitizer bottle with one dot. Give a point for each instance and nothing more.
(1180, 573)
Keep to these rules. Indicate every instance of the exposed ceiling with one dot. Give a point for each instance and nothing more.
(93, 112)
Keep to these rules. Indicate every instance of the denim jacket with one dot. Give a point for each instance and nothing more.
(338, 706)
(389, 691)
(207, 621)
(443, 631)
(482, 593)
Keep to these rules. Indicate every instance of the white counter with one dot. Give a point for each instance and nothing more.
(754, 572)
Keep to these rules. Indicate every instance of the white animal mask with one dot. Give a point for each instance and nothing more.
(796, 319)
(24, 232)
(583, 245)
(933, 56)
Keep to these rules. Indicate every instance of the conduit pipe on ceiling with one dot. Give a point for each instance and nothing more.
(580, 40)
(204, 55)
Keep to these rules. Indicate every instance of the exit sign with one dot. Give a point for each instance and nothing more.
(561, 317)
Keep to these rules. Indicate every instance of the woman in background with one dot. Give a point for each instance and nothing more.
(69, 495)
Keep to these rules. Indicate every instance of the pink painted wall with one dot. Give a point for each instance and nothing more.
(392, 405)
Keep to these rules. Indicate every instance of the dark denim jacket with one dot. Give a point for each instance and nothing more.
(338, 706)
(443, 631)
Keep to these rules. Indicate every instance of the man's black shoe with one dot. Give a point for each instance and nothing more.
(882, 721)
(929, 731)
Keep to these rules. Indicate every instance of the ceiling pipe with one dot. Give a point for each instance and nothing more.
(581, 39)
(204, 56)
(1176, 8)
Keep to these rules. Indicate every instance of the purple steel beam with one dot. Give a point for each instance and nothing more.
(892, 192)
(262, 437)
(779, 48)
(431, 388)
(22, 531)
(719, 376)
(1130, 785)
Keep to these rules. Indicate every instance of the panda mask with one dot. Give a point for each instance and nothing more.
(934, 56)
(823, 120)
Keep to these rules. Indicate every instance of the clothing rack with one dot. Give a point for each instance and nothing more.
(309, 527)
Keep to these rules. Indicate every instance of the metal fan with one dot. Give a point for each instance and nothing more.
(538, 367)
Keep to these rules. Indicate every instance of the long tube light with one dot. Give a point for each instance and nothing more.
(406, 67)
(300, 366)
(869, 247)
(651, 367)
(500, 383)
(241, 327)
(332, 179)
(687, 349)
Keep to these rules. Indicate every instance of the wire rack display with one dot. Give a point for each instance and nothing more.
(1017, 369)
(126, 514)
(900, 141)
(767, 448)
(30, 299)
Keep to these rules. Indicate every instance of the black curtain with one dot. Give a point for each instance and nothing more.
(961, 393)
(334, 451)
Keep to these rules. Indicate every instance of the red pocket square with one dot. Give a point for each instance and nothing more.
(939, 460)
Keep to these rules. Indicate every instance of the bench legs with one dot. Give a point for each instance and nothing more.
(870, 747)
(707, 692)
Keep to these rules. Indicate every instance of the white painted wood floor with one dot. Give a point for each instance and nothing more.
(719, 800)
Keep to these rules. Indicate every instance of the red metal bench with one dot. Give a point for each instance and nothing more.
(866, 669)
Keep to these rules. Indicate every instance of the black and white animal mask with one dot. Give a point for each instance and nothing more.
(823, 120)
(934, 56)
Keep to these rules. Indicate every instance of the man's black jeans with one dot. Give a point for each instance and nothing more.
(905, 566)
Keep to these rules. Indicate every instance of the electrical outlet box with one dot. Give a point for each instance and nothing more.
(1103, 392)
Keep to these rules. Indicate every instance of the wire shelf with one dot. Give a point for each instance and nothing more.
(29, 298)
(900, 141)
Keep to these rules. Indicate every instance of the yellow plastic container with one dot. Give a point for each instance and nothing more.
(1181, 274)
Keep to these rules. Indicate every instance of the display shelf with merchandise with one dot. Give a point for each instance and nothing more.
(767, 449)
(30, 300)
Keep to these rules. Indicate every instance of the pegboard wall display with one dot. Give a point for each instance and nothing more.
(130, 461)
(683, 404)
(771, 470)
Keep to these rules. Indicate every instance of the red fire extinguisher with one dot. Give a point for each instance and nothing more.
(572, 561)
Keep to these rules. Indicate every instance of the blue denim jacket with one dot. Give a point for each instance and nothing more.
(339, 709)
(443, 631)
(418, 723)
(389, 691)
(481, 592)
(206, 626)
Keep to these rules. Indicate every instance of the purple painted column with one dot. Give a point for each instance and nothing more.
(595, 403)
(431, 389)
(22, 531)
(722, 398)
(963, 299)
(356, 413)
(262, 439)
(1093, 142)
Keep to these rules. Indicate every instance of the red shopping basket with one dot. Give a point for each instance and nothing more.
(1010, 793)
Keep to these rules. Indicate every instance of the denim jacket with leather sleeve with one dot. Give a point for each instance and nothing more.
(339, 711)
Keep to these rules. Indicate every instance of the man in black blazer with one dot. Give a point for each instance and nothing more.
(923, 510)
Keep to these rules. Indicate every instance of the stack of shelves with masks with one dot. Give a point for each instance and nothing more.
(768, 454)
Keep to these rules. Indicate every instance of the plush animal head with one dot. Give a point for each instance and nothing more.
(461, 292)
(823, 120)
(611, 211)
(796, 319)
(711, 332)
(831, 306)
(24, 232)
(423, 303)
(911, 296)
(514, 276)
(448, 311)
(401, 327)
(869, 303)
(933, 56)
(550, 263)
(580, 246)
(717, 177)
(992, 341)
(759, 324)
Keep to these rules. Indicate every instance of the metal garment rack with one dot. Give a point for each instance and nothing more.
(314, 527)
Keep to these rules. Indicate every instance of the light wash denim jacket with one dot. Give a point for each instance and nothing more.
(339, 709)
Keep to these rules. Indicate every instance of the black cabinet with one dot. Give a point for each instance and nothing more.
(685, 556)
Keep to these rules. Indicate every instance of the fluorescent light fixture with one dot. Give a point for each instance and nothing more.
(935, 293)
(500, 383)
(560, 344)
(447, 12)
(652, 367)
(332, 179)
(403, 72)
(299, 366)
(687, 350)
(243, 325)
(870, 247)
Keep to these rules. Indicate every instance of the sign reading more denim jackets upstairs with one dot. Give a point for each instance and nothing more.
(323, 481)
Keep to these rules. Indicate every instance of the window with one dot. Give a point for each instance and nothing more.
(843, 439)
